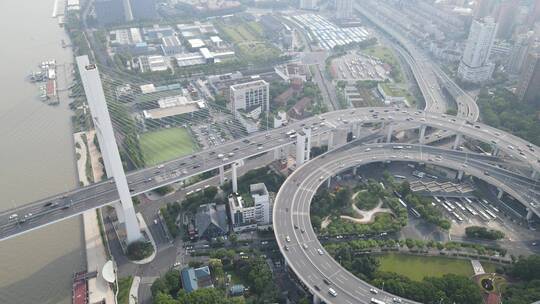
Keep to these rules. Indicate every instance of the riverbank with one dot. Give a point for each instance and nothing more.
(96, 252)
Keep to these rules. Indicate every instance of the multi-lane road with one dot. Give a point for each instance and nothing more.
(425, 71)
(298, 241)
(53, 209)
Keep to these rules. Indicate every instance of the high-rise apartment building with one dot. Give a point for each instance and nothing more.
(506, 14)
(143, 9)
(534, 14)
(308, 4)
(519, 52)
(110, 11)
(249, 95)
(344, 9)
(483, 8)
(119, 11)
(475, 66)
(529, 82)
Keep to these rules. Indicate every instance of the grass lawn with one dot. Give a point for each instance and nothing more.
(383, 53)
(166, 144)
(418, 267)
(124, 284)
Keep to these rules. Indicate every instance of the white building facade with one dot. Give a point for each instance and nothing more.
(475, 66)
(246, 96)
(259, 215)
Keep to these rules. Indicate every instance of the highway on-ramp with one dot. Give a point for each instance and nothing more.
(298, 241)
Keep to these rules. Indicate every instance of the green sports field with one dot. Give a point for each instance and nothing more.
(166, 144)
(418, 267)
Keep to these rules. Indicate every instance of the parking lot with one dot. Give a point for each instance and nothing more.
(209, 135)
(355, 66)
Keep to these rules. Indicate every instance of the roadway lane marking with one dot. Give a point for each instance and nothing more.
(335, 273)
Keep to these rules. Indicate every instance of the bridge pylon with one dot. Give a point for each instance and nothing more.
(97, 103)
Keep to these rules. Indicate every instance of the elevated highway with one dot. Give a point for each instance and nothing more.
(425, 71)
(324, 129)
(298, 241)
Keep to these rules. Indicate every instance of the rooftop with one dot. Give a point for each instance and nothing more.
(246, 85)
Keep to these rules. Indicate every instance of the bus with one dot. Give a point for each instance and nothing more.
(484, 215)
(460, 206)
(415, 213)
(471, 210)
(459, 218)
(375, 301)
(402, 203)
(491, 214)
(399, 176)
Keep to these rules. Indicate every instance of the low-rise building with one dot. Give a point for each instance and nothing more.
(211, 221)
(195, 44)
(388, 95)
(236, 290)
(171, 45)
(252, 214)
(174, 106)
(196, 278)
(154, 63)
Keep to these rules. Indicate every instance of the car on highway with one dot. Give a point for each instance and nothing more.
(319, 250)
(305, 246)
(288, 239)
(13, 216)
(332, 292)
(326, 281)
(373, 291)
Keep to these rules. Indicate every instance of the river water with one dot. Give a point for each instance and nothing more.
(36, 158)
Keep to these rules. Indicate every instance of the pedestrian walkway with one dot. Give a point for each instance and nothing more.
(96, 257)
(134, 290)
(477, 267)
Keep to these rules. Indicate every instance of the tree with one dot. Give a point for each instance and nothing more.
(366, 265)
(483, 233)
(168, 285)
(527, 268)
(139, 250)
(164, 190)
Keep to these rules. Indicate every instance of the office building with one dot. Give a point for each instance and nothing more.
(475, 66)
(249, 95)
(344, 9)
(110, 11)
(249, 213)
(528, 89)
(143, 9)
(308, 4)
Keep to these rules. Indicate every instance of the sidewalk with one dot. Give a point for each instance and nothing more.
(98, 288)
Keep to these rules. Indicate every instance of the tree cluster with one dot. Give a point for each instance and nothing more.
(480, 232)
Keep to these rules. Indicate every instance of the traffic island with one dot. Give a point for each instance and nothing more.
(139, 252)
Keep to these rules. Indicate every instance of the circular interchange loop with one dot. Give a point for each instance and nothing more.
(291, 215)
